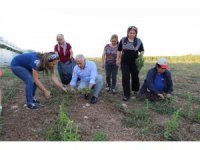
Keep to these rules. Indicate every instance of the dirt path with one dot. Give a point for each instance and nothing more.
(22, 124)
(101, 117)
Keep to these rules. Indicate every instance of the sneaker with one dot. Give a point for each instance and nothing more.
(86, 96)
(113, 91)
(107, 88)
(36, 101)
(135, 93)
(93, 100)
(33, 106)
(125, 98)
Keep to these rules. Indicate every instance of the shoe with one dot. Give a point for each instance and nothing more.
(36, 101)
(33, 106)
(93, 100)
(135, 93)
(86, 96)
(125, 98)
(107, 88)
(113, 91)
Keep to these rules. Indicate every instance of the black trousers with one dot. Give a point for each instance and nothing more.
(111, 73)
(130, 73)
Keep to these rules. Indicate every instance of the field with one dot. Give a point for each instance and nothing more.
(69, 117)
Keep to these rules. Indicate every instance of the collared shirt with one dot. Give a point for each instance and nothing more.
(88, 74)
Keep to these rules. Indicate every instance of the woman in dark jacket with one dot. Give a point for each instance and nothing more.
(157, 82)
(129, 49)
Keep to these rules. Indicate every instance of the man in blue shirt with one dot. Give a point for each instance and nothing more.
(87, 72)
(157, 82)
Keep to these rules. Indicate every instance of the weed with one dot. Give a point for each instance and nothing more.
(186, 112)
(1, 124)
(63, 129)
(85, 91)
(100, 136)
(140, 62)
(197, 115)
(164, 107)
(171, 126)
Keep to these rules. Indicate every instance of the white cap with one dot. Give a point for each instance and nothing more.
(163, 63)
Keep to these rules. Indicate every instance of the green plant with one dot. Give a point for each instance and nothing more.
(164, 107)
(137, 117)
(1, 124)
(140, 62)
(85, 91)
(171, 126)
(63, 129)
(9, 92)
(186, 112)
(7, 74)
(100, 136)
(197, 115)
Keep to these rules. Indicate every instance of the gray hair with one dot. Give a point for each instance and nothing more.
(60, 35)
(80, 56)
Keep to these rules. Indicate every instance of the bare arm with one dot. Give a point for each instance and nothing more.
(119, 54)
(56, 80)
(38, 82)
(103, 58)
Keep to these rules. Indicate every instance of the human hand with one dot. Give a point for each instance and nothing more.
(169, 95)
(161, 96)
(102, 66)
(47, 94)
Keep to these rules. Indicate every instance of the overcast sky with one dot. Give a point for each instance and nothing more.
(166, 27)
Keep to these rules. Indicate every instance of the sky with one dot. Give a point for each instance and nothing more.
(166, 28)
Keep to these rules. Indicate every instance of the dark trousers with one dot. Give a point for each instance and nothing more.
(111, 73)
(130, 70)
(65, 71)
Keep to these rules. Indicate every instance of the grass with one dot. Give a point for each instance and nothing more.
(99, 136)
(63, 129)
(165, 107)
(185, 72)
(171, 126)
(138, 117)
(1, 124)
(7, 73)
(197, 115)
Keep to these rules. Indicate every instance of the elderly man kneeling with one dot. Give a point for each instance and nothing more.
(87, 72)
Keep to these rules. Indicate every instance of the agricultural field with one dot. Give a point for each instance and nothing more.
(69, 117)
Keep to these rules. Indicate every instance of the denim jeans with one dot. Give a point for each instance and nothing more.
(111, 73)
(26, 76)
(65, 71)
(97, 88)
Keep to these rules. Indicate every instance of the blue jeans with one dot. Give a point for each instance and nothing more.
(97, 88)
(26, 76)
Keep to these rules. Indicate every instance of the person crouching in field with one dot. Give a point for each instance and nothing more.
(1, 74)
(157, 82)
(87, 72)
(109, 58)
(27, 66)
